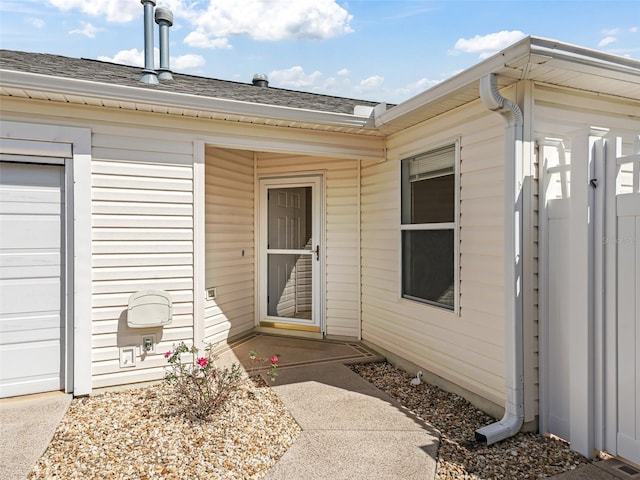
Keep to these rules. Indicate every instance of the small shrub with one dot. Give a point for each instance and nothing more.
(257, 360)
(201, 387)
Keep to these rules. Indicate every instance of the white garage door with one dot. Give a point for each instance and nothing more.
(31, 278)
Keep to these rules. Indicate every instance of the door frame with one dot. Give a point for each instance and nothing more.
(315, 180)
(71, 147)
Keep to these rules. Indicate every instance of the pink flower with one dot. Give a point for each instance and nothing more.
(202, 362)
(168, 354)
(274, 359)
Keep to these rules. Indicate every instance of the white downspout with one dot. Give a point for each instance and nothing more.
(513, 417)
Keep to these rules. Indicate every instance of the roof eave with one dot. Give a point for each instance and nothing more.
(456, 83)
(511, 65)
(144, 98)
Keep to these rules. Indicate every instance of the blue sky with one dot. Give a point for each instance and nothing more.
(381, 50)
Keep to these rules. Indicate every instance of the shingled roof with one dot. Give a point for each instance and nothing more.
(115, 74)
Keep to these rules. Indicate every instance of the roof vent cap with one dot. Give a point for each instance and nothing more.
(164, 14)
(164, 19)
(260, 80)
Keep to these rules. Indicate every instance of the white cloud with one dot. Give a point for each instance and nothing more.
(633, 29)
(343, 72)
(412, 89)
(487, 45)
(88, 30)
(375, 81)
(200, 40)
(117, 11)
(213, 22)
(270, 20)
(186, 62)
(135, 58)
(36, 22)
(294, 77)
(611, 31)
(606, 41)
(132, 57)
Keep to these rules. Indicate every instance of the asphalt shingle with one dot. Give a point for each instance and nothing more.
(114, 74)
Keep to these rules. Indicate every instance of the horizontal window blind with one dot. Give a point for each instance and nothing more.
(435, 163)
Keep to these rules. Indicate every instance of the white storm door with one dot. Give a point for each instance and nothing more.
(290, 253)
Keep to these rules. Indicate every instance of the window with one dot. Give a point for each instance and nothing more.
(429, 227)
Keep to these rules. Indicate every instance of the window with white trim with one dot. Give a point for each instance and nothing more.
(429, 227)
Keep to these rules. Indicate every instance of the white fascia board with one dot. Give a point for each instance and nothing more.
(616, 66)
(84, 88)
(457, 82)
(510, 62)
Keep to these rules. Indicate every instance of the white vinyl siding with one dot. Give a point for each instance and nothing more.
(466, 349)
(341, 290)
(142, 239)
(229, 239)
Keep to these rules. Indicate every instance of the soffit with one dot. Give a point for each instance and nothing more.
(539, 60)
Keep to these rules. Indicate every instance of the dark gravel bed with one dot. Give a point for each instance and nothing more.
(524, 456)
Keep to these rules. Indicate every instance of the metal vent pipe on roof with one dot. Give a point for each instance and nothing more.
(149, 75)
(164, 19)
(260, 80)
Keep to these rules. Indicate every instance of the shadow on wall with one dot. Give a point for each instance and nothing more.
(128, 337)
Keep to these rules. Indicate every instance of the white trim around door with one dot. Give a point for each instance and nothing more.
(71, 147)
(290, 250)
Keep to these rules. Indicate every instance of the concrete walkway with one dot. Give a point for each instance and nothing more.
(27, 425)
(350, 429)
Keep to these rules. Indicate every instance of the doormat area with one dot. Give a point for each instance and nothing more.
(619, 469)
(295, 352)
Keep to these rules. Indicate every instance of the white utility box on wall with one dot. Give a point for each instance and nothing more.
(149, 308)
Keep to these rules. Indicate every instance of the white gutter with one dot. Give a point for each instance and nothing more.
(161, 98)
(513, 417)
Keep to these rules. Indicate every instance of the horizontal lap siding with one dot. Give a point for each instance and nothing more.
(466, 349)
(229, 206)
(341, 232)
(142, 238)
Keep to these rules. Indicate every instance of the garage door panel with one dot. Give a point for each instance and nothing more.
(31, 278)
(39, 359)
(18, 272)
(24, 258)
(31, 295)
(19, 176)
(34, 331)
(29, 385)
(23, 208)
(30, 232)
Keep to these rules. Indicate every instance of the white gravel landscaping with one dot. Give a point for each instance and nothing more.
(141, 434)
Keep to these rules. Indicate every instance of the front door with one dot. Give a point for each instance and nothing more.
(290, 253)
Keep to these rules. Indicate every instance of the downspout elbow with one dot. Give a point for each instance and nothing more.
(513, 418)
(506, 427)
(492, 100)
